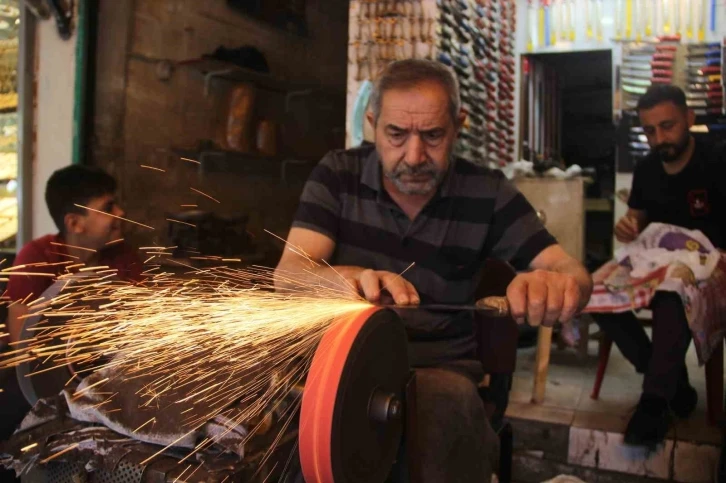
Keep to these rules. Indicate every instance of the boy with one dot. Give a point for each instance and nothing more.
(84, 236)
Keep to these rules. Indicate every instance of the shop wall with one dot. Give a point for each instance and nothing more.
(143, 113)
(54, 84)
(527, 17)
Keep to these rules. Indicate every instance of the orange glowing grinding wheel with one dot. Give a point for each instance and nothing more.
(351, 418)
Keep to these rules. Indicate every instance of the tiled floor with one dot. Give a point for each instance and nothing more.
(596, 426)
(569, 384)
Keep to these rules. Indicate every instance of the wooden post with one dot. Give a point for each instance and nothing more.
(544, 343)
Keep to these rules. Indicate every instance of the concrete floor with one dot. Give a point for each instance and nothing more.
(596, 426)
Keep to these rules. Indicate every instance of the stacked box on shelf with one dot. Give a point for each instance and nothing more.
(477, 40)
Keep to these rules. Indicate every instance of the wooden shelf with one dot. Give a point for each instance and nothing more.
(285, 169)
(212, 68)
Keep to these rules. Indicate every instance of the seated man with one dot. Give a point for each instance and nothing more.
(681, 182)
(84, 236)
(370, 212)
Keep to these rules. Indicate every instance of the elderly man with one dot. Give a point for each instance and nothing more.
(681, 182)
(372, 211)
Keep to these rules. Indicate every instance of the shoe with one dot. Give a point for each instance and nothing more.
(684, 402)
(649, 424)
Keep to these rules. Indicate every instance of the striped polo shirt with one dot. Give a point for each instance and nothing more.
(475, 214)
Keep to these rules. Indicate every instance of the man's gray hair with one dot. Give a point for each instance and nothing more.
(407, 73)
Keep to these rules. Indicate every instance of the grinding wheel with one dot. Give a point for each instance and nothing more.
(351, 418)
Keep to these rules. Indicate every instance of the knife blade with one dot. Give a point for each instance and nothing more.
(498, 306)
(637, 82)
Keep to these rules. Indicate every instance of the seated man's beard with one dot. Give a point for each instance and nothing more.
(427, 168)
(669, 153)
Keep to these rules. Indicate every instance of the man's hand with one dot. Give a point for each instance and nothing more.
(627, 229)
(544, 297)
(370, 284)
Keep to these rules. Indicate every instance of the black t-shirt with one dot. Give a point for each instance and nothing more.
(695, 198)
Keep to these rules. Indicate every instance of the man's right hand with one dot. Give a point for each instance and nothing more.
(627, 230)
(370, 283)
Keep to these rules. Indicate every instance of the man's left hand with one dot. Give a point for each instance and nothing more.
(543, 297)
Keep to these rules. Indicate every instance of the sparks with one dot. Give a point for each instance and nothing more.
(204, 340)
(59, 453)
(204, 194)
(181, 222)
(114, 216)
(151, 167)
(73, 246)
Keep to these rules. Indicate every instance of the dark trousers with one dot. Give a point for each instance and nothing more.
(662, 360)
(455, 440)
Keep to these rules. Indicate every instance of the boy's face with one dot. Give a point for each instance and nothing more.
(94, 230)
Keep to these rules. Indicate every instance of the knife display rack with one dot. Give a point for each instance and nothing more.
(541, 112)
(475, 38)
(697, 68)
(384, 31)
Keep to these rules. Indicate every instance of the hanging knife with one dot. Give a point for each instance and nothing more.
(628, 18)
(619, 19)
(708, 45)
(713, 16)
(667, 16)
(634, 90)
(705, 71)
(599, 19)
(703, 13)
(695, 64)
(711, 103)
(637, 82)
(648, 18)
(704, 87)
(638, 58)
(710, 95)
(635, 145)
(707, 54)
(637, 66)
(589, 12)
(637, 74)
(532, 26)
(704, 79)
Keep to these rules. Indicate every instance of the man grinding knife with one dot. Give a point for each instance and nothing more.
(371, 212)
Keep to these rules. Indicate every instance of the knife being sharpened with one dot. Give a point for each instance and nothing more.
(496, 306)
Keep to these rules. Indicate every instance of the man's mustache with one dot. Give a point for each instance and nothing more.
(406, 169)
(665, 147)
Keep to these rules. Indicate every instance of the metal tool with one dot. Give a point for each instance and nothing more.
(497, 306)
